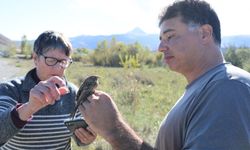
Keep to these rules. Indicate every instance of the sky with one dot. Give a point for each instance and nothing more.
(105, 17)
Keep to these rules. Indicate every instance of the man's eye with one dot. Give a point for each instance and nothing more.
(169, 37)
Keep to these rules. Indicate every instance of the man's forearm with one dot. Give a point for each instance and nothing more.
(124, 138)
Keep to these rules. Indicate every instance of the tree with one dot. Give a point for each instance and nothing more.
(244, 55)
(232, 57)
(26, 48)
(118, 54)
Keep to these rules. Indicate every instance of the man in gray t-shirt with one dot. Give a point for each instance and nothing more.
(214, 111)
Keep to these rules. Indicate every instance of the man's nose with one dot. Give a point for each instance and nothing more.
(162, 46)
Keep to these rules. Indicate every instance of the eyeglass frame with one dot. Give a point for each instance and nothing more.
(60, 61)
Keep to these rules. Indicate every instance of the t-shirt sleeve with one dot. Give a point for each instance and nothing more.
(220, 119)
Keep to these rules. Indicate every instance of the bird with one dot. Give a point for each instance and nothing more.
(86, 89)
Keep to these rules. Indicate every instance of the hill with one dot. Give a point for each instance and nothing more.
(5, 42)
(149, 40)
(136, 35)
(237, 41)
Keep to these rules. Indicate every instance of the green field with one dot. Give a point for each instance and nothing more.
(143, 96)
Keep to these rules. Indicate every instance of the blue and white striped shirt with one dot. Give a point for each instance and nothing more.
(45, 130)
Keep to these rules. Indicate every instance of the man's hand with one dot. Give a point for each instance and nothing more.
(86, 136)
(100, 112)
(102, 115)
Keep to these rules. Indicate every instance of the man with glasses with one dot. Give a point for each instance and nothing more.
(33, 108)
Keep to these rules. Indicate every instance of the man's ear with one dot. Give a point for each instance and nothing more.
(206, 31)
(35, 58)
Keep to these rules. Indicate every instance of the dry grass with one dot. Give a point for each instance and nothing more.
(144, 96)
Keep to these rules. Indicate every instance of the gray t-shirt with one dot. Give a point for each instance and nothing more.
(212, 114)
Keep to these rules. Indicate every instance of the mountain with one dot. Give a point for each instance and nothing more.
(149, 40)
(136, 35)
(5, 42)
(237, 41)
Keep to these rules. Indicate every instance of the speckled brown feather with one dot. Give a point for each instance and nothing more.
(87, 88)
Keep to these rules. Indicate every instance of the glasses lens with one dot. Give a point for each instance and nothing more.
(65, 63)
(51, 61)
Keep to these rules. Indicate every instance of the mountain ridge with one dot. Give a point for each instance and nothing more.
(136, 35)
(5, 41)
(148, 40)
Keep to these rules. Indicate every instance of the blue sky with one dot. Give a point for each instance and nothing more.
(105, 17)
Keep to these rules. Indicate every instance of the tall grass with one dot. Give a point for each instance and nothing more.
(144, 96)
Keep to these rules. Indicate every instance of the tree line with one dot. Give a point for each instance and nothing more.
(118, 54)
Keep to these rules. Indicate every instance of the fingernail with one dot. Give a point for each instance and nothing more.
(63, 90)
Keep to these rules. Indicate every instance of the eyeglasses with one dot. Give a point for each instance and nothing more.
(51, 61)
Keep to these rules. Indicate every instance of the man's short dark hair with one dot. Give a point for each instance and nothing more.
(194, 11)
(52, 40)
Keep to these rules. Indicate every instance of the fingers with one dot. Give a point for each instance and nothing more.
(86, 136)
(63, 90)
(91, 131)
(92, 99)
(57, 80)
(60, 84)
(100, 113)
(47, 92)
(99, 102)
(37, 95)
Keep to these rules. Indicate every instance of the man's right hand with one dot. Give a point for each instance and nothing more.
(102, 115)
